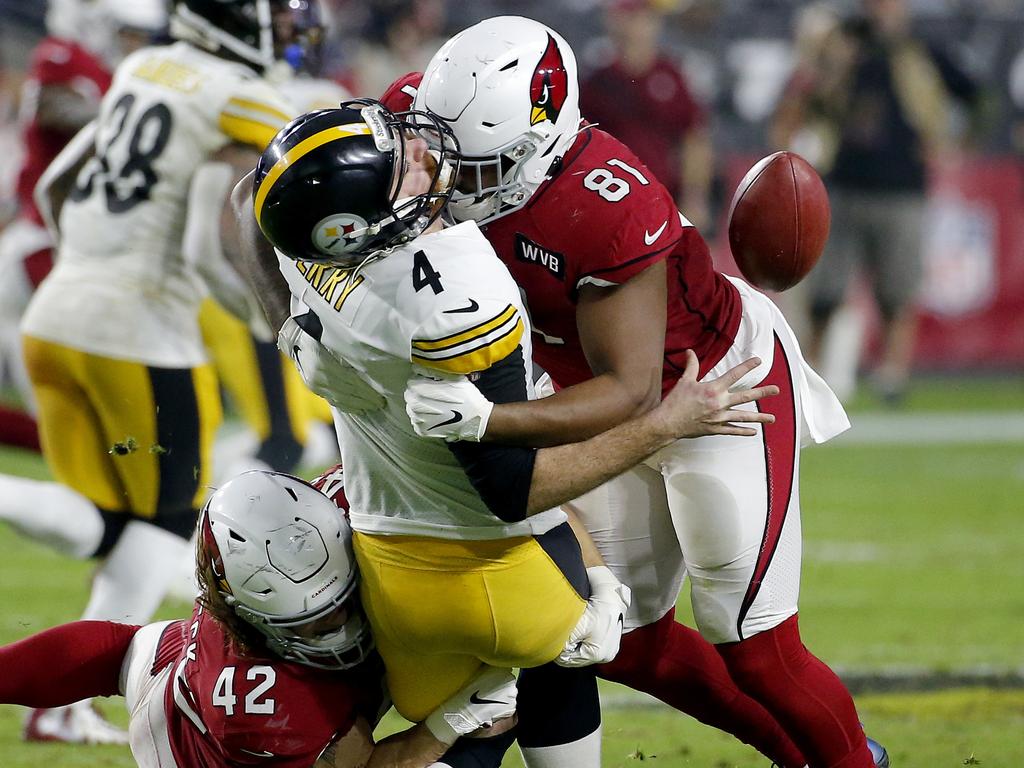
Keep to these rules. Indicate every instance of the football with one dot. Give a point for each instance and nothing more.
(778, 221)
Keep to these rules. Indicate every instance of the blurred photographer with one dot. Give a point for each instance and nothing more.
(871, 104)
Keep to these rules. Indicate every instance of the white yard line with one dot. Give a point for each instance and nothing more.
(906, 428)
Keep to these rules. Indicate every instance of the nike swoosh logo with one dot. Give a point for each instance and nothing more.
(471, 307)
(649, 238)
(475, 699)
(456, 417)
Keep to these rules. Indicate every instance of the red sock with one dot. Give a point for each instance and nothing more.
(803, 694)
(18, 429)
(65, 664)
(678, 666)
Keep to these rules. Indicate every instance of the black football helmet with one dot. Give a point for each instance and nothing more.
(326, 188)
(246, 30)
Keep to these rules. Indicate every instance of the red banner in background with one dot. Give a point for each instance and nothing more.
(972, 298)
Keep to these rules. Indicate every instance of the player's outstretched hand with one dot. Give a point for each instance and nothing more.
(697, 408)
(596, 637)
(487, 699)
(334, 380)
(446, 406)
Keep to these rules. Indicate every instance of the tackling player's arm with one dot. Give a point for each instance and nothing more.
(622, 330)
(485, 706)
(412, 748)
(566, 472)
(515, 482)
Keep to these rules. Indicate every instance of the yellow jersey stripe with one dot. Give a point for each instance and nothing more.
(479, 359)
(482, 329)
(269, 110)
(254, 133)
(301, 149)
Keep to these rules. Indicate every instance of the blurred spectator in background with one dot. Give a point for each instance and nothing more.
(870, 104)
(402, 36)
(640, 95)
(65, 80)
(68, 73)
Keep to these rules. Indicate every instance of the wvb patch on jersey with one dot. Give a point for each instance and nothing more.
(473, 349)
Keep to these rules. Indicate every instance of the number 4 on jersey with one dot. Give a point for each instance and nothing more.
(424, 274)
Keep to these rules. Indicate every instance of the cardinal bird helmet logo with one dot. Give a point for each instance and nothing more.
(549, 85)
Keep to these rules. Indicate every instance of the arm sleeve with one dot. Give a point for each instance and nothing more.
(65, 664)
(501, 474)
(253, 114)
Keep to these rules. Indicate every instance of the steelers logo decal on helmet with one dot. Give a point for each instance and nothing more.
(549, 85)
(339, 233)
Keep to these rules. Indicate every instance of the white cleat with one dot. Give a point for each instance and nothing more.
(79, 723)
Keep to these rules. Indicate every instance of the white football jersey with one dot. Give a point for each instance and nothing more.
(443, 302)
(121, 287)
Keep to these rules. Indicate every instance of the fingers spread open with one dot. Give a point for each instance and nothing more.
(732, 429)
(737, 372)
(745, 416)
(750, 395)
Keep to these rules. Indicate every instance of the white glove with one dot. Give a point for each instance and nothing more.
(334, 380)
(489, 697)
(597, 635)
(447, 406)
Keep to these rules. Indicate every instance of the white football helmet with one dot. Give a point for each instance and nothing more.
(509, 89)
(282, 555)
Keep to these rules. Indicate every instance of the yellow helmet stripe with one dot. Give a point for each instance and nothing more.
(301, 149)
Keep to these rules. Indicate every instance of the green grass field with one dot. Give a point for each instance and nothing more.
(914, 568)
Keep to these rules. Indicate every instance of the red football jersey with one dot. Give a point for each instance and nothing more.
(602, 218)
(55, 61)
(224, 709)
(648, 112)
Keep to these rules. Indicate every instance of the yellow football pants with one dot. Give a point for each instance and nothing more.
(440, 609)
(129, 437)
(263, 385)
